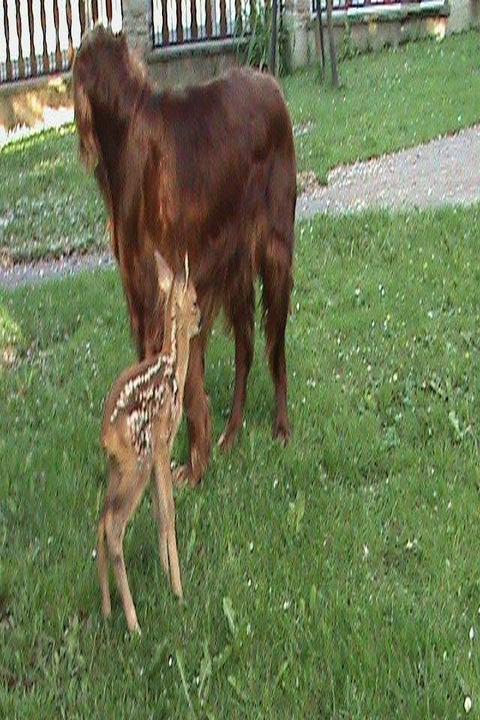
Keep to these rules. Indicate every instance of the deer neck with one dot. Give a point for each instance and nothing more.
(182, 355)
(176, 344)
(169, 347)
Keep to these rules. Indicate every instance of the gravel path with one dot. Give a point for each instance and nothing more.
(33, 273)
(442, 172)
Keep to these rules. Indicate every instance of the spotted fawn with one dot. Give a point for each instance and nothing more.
(141, 419)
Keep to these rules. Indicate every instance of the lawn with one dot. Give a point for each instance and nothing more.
(390, 100)
(338, 578)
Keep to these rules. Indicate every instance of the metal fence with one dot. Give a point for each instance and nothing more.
(182, 21)
(372, 5)
(37, 37)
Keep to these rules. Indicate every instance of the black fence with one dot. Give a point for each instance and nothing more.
(182, 21)
(37, 37)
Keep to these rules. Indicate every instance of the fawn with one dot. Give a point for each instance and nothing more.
(141, 419)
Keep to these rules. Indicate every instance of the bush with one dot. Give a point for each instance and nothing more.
(256, 33)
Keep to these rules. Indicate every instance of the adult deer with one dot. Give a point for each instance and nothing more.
(209, 170)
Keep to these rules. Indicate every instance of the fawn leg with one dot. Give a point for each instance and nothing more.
(168, 536)
(159, 512)
(119, 509)
(102, 560)
(102, 551)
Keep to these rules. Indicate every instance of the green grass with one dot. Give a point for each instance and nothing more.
(338, 578)
(48, 205)
(390, 100)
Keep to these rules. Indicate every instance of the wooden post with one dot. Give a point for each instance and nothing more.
(193, 20)
(108, 6)
(238, 17)
(223, 18)
(58, 52)
(68, 12)
(21, 61)
(81, 15)
(33, 55)
(208, 10)
(46, 59)
(179, 21)
(165, 28)
(8, 61)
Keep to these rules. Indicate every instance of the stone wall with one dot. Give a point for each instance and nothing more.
(191, 63)
(369, 32)
(463, 14)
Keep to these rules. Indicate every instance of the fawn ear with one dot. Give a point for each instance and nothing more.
(187, 273)
(164, 274)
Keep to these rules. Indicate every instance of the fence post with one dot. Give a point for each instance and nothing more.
(137, 24)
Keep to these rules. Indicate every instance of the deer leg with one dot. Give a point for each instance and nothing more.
(120, 506)
(159, 512)
(197, 410)
(241, 315)
(277, 285)
(168, 536)
(102, 560)
(102, 551)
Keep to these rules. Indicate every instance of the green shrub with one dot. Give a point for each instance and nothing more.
(256, 33)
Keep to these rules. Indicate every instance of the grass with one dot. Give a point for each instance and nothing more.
(338, 578)
(48, 205)
(390, 100)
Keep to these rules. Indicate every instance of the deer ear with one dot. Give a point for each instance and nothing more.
(89, 152)
(187, 273)
(164, 274)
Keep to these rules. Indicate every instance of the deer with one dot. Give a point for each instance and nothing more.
(141, 419)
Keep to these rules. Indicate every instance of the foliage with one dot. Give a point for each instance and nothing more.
(338, 578)
(347, 50)
(255, 38)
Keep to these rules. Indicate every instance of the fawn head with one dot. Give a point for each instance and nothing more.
(181, 290)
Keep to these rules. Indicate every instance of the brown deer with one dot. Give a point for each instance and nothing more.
(141, 419)
(209, 170)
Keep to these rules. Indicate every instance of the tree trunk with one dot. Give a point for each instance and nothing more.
(274, 40)
(331, 46)
(320, 32)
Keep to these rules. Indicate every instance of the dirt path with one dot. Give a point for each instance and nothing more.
(442, 172)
